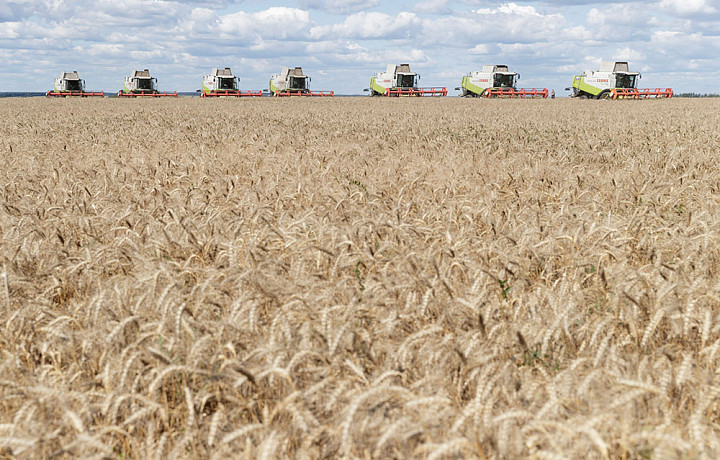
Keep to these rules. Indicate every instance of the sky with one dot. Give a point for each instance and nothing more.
(341, 44)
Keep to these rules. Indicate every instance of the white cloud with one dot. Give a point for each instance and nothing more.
(339, 6)
(15, 10)
(273, 23)
(508, 23)
(690, 7)
(629, 54)
(665, 36)
(204, 20)
(585, 63)
(480, 48)
(631, 14)
(10, 30)
(510, 8)
(432, 7)
(577, 33)
(372, 26)
(102, 49)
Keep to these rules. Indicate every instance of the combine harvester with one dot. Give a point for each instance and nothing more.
(613, 81)
(141, 84)
(399, 80)
(497, 81)
(292, 82)
(222, 83)
(69, 84)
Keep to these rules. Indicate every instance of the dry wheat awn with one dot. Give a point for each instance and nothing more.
(405, 282)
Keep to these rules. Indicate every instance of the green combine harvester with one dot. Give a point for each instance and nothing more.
(496, 81)
(69, 84)
(614, 80)
(399, 80)
(222, 83)
(141, 84)
(293, 82)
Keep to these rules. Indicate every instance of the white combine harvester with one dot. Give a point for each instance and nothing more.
(141, 84)
(69, 84)
(614, 80)
(293, 82)
(222, 83)
(497, 81)
(399, 80)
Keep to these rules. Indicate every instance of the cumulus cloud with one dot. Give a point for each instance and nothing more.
(338, 6)
(372, 26)
(432, 7)
(508, 23)
(567, 3)
(683, 45)
(15, 10)
(690, 7)
(203, 20)
(631, 14)
(577, 33)
(629, 54)
(276, 22)
(480, 48)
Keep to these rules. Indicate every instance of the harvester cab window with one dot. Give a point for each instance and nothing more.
(406, 81)
(625, 81)
(74, 85)
(144, 83)
(504, 81)
(227, 83)
(298, 82)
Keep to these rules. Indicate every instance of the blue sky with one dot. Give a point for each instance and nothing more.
(342, 43)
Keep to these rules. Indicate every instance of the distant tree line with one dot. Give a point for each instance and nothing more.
(697, 95)
(21, 94)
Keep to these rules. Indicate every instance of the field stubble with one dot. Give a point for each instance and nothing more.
(359, 278)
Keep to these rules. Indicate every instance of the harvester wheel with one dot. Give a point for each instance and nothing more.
(605, 95)
(583, 96)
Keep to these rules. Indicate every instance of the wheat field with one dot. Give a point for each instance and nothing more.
(359, 278)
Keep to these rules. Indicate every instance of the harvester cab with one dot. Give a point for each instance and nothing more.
(614, 80)
(293, 82)
(141, 84)
(399, 80)
(69, 84)
(497, 81)
(222, 83)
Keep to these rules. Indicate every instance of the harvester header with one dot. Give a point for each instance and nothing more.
(496, 81)
(222, 83)
(293, 82)
(69, 84)
(141, 84)
(399, 80)
(614, 80)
